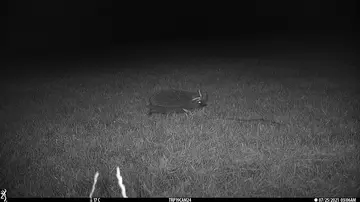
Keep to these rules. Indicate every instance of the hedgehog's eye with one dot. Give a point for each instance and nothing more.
(197, 101)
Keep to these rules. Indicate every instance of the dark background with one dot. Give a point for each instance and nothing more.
(69, 30)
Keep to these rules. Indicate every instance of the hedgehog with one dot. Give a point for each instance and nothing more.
(176, 101)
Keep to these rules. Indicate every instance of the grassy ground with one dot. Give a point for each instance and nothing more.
(57, 132)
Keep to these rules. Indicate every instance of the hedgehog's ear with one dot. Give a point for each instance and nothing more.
(197, 98)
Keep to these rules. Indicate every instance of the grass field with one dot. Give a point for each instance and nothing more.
(58, 131)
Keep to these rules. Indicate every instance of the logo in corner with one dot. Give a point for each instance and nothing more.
(3, 195)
